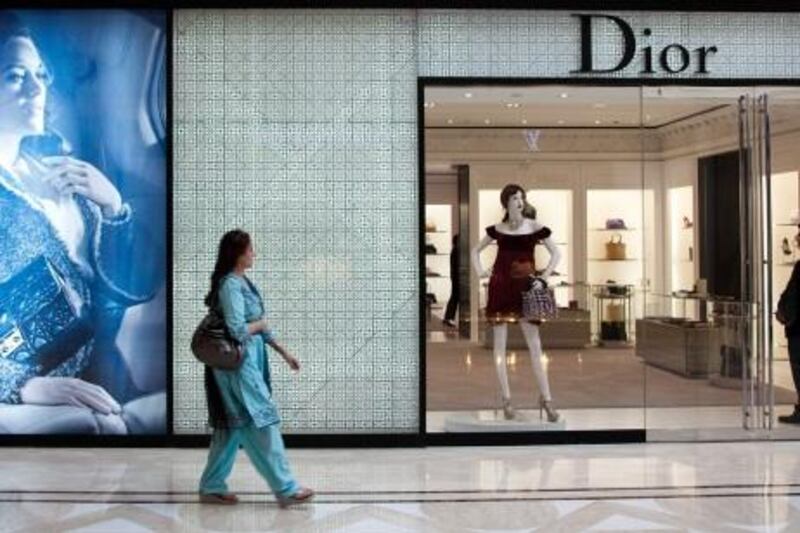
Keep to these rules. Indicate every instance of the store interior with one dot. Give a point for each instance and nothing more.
(636, 184)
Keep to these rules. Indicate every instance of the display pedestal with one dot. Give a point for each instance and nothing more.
(724, 382)
(492, 421)
(571, 329)
(676, 347)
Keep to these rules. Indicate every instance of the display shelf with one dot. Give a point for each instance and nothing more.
(788, 224)
(604, 296)
(611, 229)
(436, 232)
(601, 260)
(437, 255)
(439, 276)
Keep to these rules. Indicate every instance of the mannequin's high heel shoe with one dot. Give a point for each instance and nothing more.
(508, 409)
(548, 407)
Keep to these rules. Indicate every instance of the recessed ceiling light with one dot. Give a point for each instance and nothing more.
(429, 105)
(564, 95)
(597, 122)
(599, 105)
(513, 105)
(560, 121)
(467, 95)
(449, 120)
(487, 121)
(524, 120)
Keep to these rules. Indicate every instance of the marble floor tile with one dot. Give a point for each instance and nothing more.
(737, 486)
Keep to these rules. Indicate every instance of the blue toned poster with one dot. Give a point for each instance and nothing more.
(83, 345)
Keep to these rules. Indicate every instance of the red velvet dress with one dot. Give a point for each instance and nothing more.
(510, 274)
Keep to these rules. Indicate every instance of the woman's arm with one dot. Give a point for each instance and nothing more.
(475, 255)
(555, 257)
(552, 249)
(231, 300)
(293, 363)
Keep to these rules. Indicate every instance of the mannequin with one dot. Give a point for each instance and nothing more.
(516, 236)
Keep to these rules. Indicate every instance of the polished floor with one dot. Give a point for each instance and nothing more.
(744, 486)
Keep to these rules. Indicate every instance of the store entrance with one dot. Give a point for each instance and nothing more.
(668, 208)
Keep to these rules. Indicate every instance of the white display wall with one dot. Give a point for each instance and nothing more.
(439, 234)
(785, 222)
(682, 228)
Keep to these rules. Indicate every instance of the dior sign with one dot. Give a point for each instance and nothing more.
(671, 59)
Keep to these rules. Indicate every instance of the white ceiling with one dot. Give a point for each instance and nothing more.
(590, 107)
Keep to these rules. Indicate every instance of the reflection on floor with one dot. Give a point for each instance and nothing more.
(461, 375)
(659, 487)
(662, 423)
(595, 389)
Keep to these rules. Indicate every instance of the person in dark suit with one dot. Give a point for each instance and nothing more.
(787, 314)
(452, 303)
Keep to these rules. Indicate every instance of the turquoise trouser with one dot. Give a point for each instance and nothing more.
(265, 448)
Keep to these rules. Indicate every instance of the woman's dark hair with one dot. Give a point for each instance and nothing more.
(528, 211)
(11, 26)
(233, 245)
(51, 142)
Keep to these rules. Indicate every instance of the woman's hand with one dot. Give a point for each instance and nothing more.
(291, 360)
(68, 175)
(68, 391)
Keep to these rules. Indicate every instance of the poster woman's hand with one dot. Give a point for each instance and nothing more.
(68, 391)
(68, 175)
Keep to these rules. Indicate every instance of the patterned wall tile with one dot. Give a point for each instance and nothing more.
(547, 43)
(300, 126)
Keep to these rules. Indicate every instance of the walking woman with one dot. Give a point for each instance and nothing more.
(241, 409)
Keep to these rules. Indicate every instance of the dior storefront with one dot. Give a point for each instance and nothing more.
(408, 176)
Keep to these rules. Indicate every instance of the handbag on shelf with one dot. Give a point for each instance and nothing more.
(430, 227)
(212, 345)
(616, 290)
(615, 223)
(613, 331)
(430, 249)
(42, 322)
(615, 312)
(539, 302)
(616, 250)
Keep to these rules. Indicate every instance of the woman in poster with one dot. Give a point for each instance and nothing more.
(67, 239)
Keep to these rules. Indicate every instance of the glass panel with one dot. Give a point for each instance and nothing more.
(782, 192)
(576, 154)
(698, 339)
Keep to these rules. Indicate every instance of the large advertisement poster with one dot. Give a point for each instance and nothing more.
(83, 344)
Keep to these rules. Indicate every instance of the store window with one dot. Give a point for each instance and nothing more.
(673, 215)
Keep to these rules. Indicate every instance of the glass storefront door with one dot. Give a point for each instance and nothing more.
(709, 338)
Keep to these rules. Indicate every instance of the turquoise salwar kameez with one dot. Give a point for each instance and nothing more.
(251, 416)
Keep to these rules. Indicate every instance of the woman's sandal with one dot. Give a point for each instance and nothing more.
(301, 496)
(219, 499)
